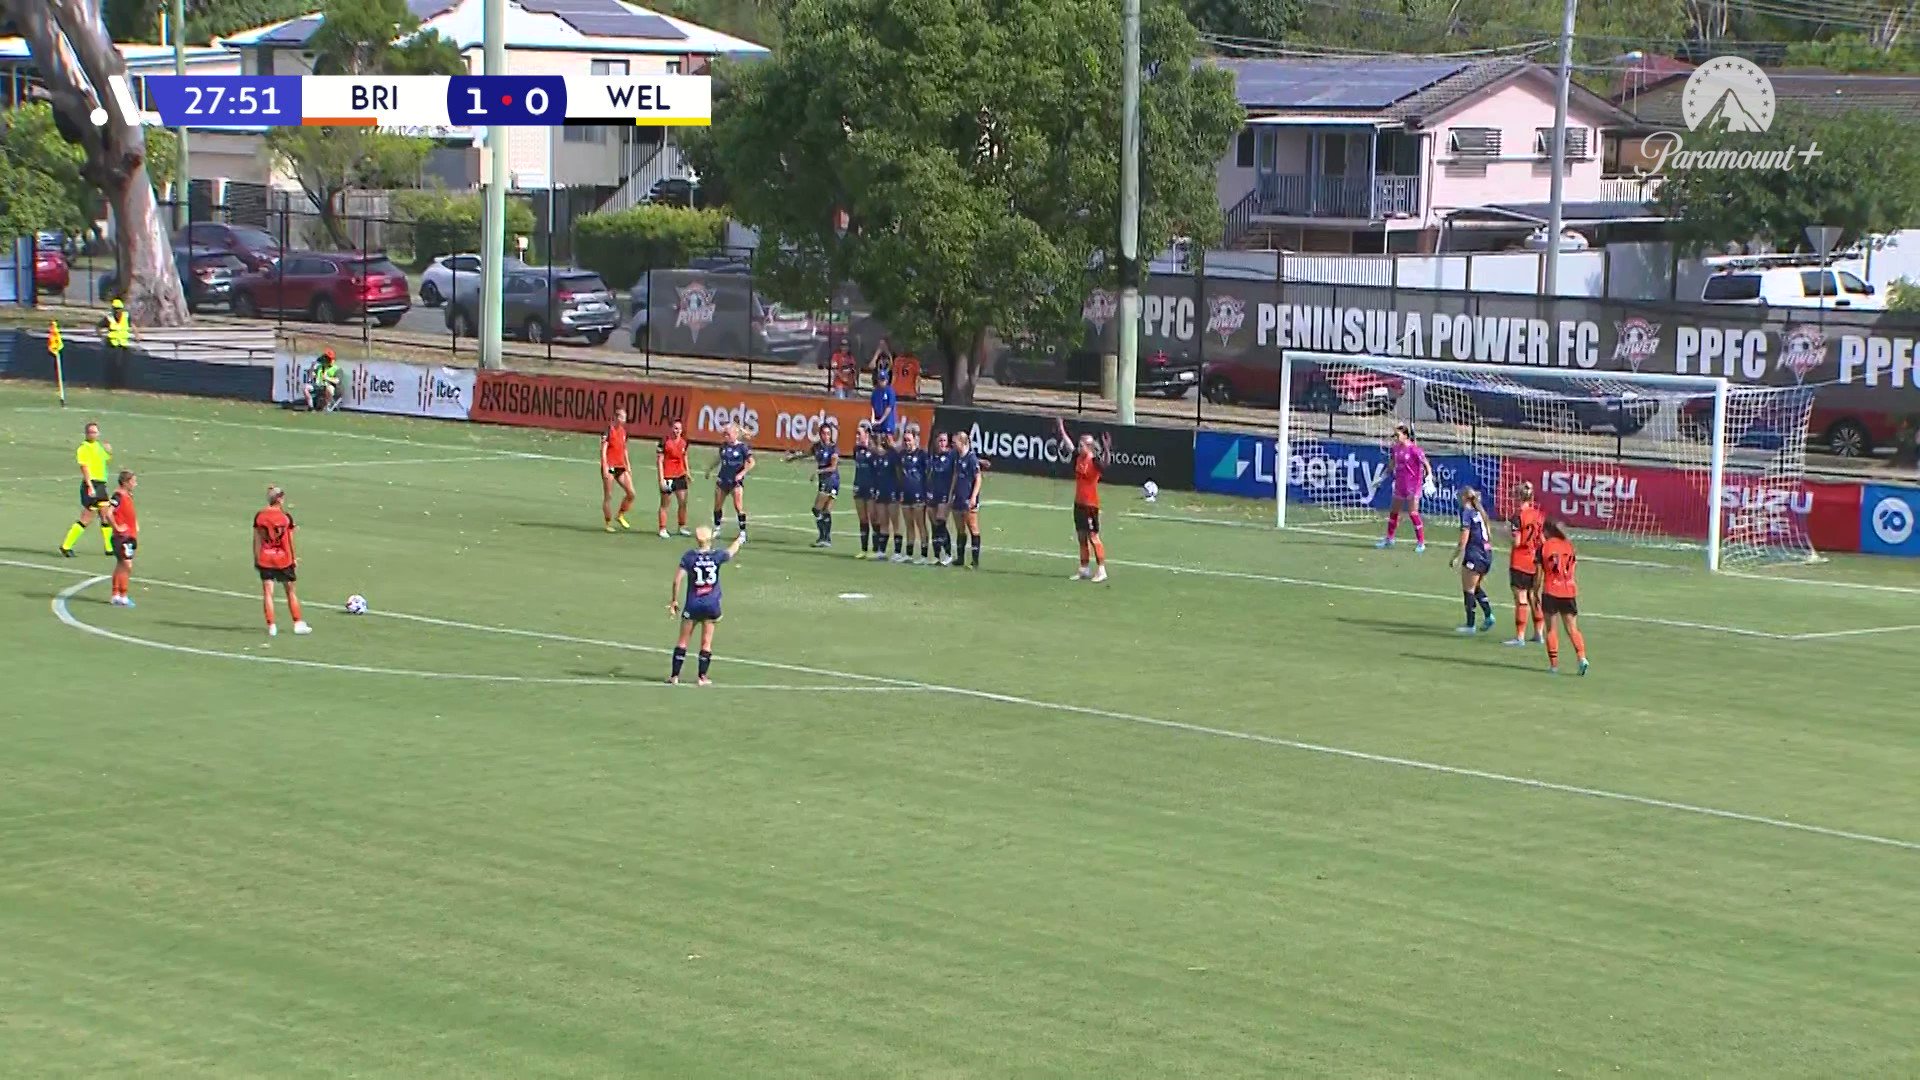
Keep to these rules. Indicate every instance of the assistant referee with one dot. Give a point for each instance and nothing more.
(93, 456)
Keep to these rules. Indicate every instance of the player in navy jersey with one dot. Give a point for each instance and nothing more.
(1474, 557)
(735, 464)
(913, 498)
(885, 506)
(825, 452)
(863, 486)
(939, 491)
(699, 572)
(965, 497)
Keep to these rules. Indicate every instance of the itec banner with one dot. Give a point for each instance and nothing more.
(382, 386)
(1030, 445)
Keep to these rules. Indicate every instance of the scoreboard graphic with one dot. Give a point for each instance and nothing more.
(416, 101)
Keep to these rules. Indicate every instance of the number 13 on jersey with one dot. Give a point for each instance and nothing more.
(506, 100)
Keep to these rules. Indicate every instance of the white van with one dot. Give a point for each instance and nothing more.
(1776, 281)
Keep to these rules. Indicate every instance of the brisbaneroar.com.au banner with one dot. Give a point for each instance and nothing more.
(773, 421)
(1599, 497)
(383, 386)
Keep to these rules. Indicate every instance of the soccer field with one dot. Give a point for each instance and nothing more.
(1249, 809)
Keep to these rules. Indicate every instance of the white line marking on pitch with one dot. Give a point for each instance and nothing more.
(162, 471)
(1862, 632)
(1901, 590)
(877, 682)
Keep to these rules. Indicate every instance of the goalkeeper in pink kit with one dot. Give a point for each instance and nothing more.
(1412, 476)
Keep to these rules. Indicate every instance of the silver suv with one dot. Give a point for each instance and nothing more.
(579, 305)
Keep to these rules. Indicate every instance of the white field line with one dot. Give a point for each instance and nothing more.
(303, 465)
(1862, 632)
(1370, 590)
(64, 613)
(879, 682)
(1900, 590)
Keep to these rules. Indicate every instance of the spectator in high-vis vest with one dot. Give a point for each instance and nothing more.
(323, 383)
(116, 330)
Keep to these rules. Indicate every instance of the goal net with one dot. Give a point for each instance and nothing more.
(1659, 461)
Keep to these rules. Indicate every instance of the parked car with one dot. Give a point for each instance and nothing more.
(325, 287)
(50, 272)
(207, 278)
(1621, 412)
(1764, 281)
(1843, 432)
(1056, 369)
(674, 191)
(1325, 388)
(455, 275)
(579, 306)
(785, 335)
(254, 247)
(639, 304)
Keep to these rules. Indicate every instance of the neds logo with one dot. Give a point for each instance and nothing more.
(801, 427)
(713, 420)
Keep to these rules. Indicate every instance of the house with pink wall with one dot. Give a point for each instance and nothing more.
(1413, 155)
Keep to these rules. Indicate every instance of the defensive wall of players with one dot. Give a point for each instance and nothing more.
(1837, 517)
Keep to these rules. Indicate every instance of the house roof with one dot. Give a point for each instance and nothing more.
(1647, 70)
(1571, 213)
(1403, 90)
(1823, 92)
(15, 50)
(601, 26)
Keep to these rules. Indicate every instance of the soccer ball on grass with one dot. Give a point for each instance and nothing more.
(356, 604)
(1151, 490)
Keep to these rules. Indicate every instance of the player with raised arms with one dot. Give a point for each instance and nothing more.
(863, 486)
(885, 506)
(939, 490)
(126, 537)
(273, 557)
(615, 469)
(965, 497)
(825, 452)
(1559, 596)
(92, 457)
(1523, 566)
(670, 463)
(699, 573)
(1474, 557)
(913, 498)
(735, 463)
(1412, 475)
(1086, 505)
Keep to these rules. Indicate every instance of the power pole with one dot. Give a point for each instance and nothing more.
(183, 169)
(493, 239)
(1129, 366)
(1556, 196)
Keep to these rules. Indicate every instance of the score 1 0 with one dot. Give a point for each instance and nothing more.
(506, 100)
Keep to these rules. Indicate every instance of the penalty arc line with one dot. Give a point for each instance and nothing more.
(877, 682)
(64, 613)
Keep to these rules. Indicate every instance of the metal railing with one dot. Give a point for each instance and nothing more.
(1629, 188)
(1371, 198)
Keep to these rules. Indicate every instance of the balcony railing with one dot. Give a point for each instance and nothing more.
(1339, 196)
(1629, 189)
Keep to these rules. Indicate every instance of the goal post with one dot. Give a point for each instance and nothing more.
(1656, 460)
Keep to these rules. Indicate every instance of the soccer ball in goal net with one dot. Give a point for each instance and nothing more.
(1666, 461)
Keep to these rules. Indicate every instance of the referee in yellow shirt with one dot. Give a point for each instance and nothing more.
(93, 457)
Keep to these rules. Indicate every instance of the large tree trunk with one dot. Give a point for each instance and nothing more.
(75, 58)
(963, 370)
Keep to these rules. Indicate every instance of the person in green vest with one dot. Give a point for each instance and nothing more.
(323, 383)
(117, 331)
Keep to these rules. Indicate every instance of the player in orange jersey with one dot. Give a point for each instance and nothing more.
(274, 558)
(1086, 505)
(615, 469)
(126, 537)
(1559, 596)
(671, 464)
(1523, 567)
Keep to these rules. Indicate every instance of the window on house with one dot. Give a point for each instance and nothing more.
(1474, 142)
(1578, 139)
(1243, 150)
(673, 67)
(1333, 154)
(1396, 153)
(596, 135)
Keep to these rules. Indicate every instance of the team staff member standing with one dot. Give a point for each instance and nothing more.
(885, 405)
(671, 464)
(1086, 506)
(616, 469)
(93, 456)
(274, 558)
(117, 330)
(126, 538)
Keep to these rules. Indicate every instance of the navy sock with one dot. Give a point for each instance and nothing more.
(679, 660)
(976, 549)
(742, 519)
(879, 542)
(706, 661)
(866, 531)
(1486, 605)
(1469, 599)
(716, 521)
(896, 545)
(826, 525)
(923, 547)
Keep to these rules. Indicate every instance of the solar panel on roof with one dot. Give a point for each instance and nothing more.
(430, 9)
(579, 7)
(626, 24)
(293, 33)
(1362, 84)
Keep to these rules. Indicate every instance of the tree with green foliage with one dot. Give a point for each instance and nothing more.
(1254, 20)
(361, 37)
(974, 146)
(1866, 179)
(41, 186)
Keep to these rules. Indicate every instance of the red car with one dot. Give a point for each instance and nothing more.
(255, 247)
(1843, 431)
(49, 271)
(326, 287)
(1328, 389)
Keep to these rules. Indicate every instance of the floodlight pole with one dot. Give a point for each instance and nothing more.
(182, 169)
(493, 240)
(1127, 375)
(1557, 162)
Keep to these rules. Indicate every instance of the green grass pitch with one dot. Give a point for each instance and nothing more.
(1249, 810)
